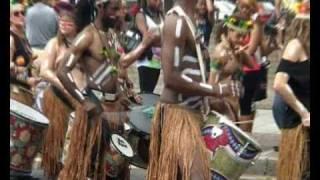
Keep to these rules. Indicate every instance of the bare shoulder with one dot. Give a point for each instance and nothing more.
(219, 50)
(293, 51)
(174, 25)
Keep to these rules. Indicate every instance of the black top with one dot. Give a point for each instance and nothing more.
(299, 81)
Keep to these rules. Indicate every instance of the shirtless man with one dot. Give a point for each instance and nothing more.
(94, 50)
(177, 150)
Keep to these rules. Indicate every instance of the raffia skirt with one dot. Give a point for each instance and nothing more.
(175, 141)
(57, 110)
(89, 145)
(294, 154)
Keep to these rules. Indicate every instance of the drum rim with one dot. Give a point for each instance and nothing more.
(19, 170)
(26, 119)
(113, 143)
(23, 117)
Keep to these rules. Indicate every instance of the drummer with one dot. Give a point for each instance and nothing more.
(177, 150)
(94, 50)
(55, 95)
(21, 80)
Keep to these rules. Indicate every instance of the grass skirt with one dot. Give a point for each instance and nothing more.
(57, 112)
(294, 154)
(175, 139)
(88, 145)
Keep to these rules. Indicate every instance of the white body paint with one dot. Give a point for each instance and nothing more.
(79, 94)
(178, 28)
(98, 71)
(185, 77)
(103, 75)
(189, 59)
(176, 56)
(70, 61)
(207, 86)
(190, 71)
(70, 77)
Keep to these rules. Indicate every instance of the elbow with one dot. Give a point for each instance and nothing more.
(278, 87)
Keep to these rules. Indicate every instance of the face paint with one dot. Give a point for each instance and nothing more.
(176, 56)
(178, 28)
(185, 77)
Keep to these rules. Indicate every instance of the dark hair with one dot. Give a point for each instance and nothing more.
(84, 13)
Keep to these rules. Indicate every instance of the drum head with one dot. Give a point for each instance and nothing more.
(122, 146)
(27, 113)
(141, 116)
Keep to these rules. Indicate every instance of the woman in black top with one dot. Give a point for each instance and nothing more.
(21, 81)
(291, 106)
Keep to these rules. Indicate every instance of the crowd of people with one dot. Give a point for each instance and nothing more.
(69, 60)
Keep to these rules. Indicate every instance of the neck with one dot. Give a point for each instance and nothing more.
(17, 30)
(99, 25)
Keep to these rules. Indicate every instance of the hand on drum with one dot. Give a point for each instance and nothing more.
(33, 81)
(150, 36)
(91, 108)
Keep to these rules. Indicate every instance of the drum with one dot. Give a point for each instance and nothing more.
(140, 126)
(116, 155)
(232, 150)
(21, 94)
(26, 134)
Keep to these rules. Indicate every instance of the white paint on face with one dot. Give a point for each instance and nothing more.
(185, 77)
(178, 28)
(207, 86)
(176, 56)
(190, 71)
(70, 61)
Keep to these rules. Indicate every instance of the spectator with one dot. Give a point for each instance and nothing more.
(291, 106)
(41, 24)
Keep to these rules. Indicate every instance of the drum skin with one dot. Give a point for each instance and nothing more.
(21, 95)
(25, 142)
(230, 155)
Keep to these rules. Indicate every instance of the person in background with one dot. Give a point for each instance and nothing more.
(147, 18)
(205, 19)
(41, 24)
(21, 57)
(291, 105)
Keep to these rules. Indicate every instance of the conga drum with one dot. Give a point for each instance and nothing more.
(26, 135)
(21, 93)
(232, 150)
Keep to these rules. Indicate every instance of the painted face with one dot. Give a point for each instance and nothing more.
(17, 15)
(235, 37)
(66, 24)
(111, 13)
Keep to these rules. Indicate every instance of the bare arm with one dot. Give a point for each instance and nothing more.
(81, 43)
(141, 23)
(12, 50)
(278, 7)
(255, 38)
(47, 70)
(174, 79)
(282, 87)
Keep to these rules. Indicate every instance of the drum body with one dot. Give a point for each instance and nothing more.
(139, 134)
(21, 94)
(26, 135)
(232, 150)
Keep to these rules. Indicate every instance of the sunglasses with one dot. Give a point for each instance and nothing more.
(17, 13)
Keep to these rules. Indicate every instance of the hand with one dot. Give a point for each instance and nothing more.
(234, 88)
(33, 81)
(91, 108)
(150, 37)
(305, 118)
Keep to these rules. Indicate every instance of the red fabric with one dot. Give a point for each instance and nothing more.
(256, 66)
(134, 9)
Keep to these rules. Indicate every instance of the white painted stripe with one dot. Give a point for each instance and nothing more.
(189, 59)
(185, 77)
(178, 28)
(70, 77)
(190, 71)
(79, 39)
(70, 61)
(103, 75)
(207, 86)
(176, 56)
(190, 99)
(98, 71)
(79, 94)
